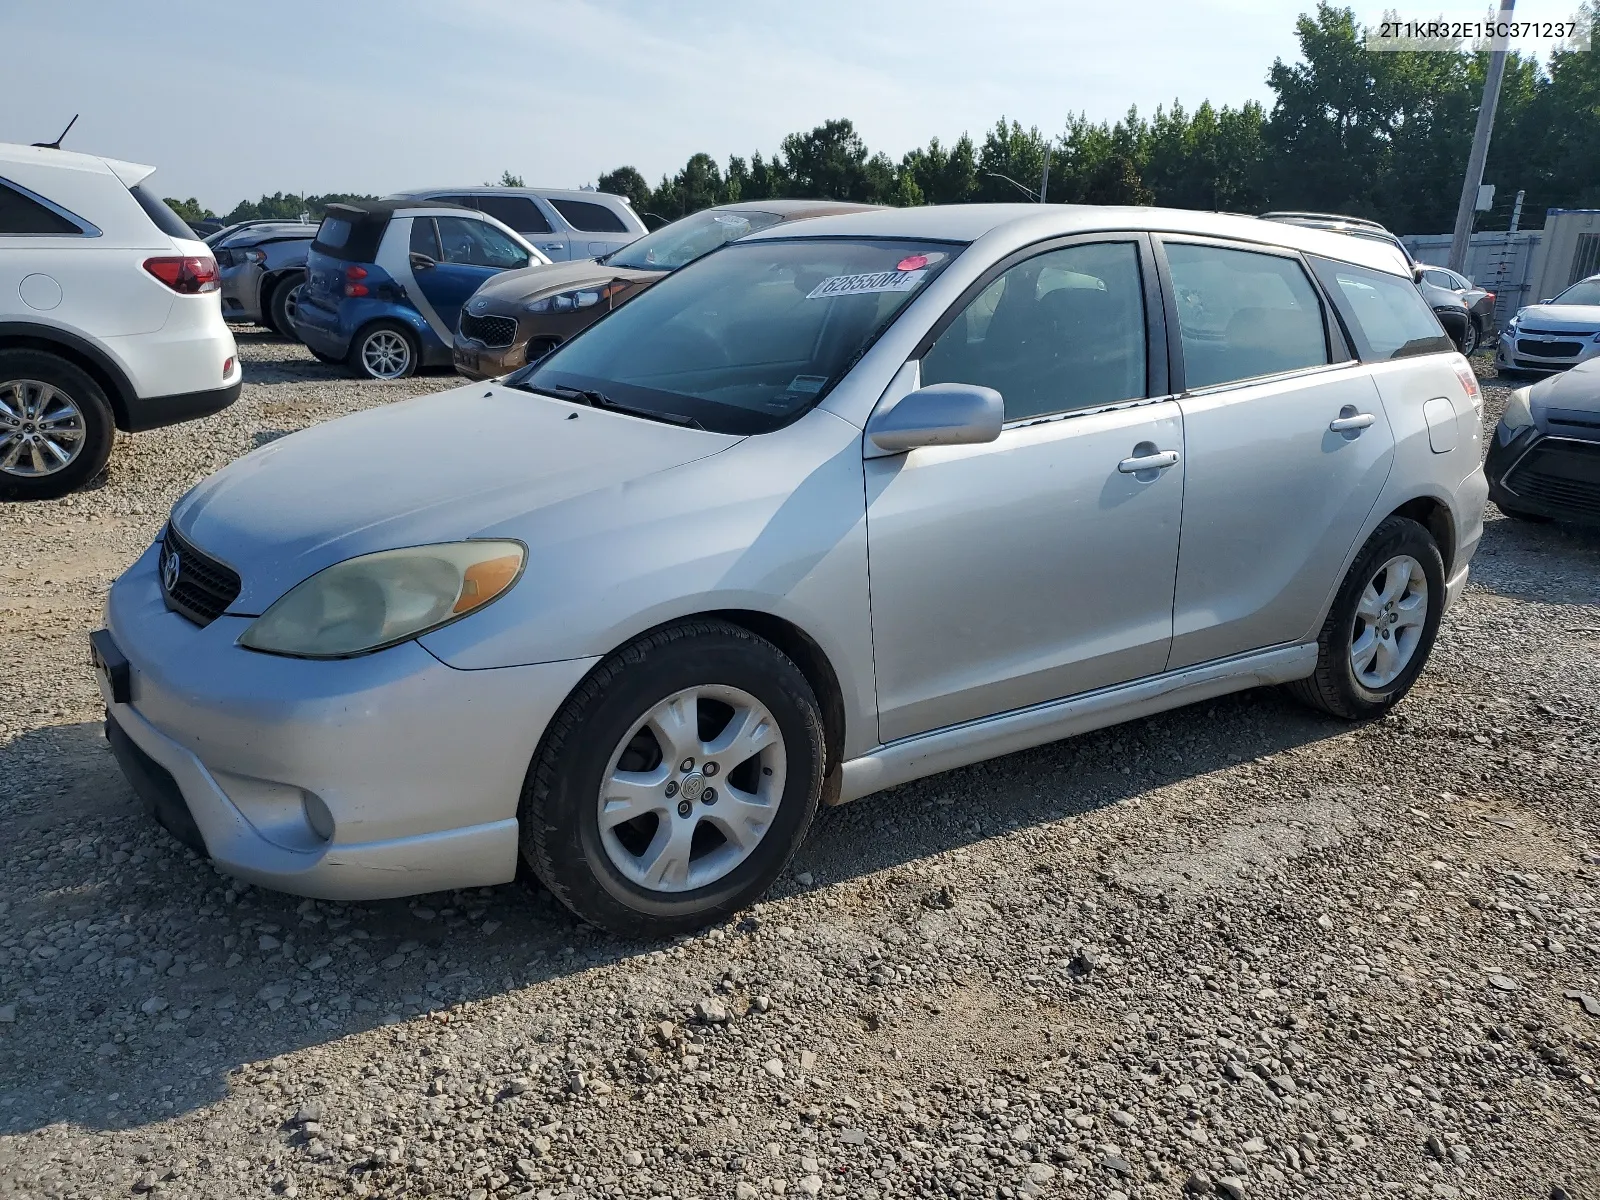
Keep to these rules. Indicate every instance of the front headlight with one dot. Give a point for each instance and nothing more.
(377, 600)
(1517, 413)
(586, 297)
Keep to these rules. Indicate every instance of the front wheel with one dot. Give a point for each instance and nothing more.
(285, 300)
(1381, 627)
(676, 782)
(385, 350)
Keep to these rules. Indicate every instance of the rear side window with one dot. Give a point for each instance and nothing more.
(350, 236)
(169, 222)
(519, 212)
(23, 214)
(1386, 315)
(1243, 315)
(589, 217)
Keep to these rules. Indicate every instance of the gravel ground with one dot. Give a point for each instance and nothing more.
(1237, 949)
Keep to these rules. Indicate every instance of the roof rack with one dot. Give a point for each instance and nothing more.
(1322, 216)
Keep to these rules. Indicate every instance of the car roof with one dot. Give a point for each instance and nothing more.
(72, 160)
(395, 204)
(791, 210)
(1021, 224)
(491, 190)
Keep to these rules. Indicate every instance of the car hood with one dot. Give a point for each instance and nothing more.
(513, 287)
(1561, 316)
(474, 461)
(1568, 404)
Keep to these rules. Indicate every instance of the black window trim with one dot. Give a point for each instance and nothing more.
(1157, 384)
(1340, 348)
(85, 228)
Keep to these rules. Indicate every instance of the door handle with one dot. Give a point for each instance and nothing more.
(549, 245)
(1350, 422)
(1158, 461)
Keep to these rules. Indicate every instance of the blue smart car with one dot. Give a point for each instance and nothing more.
(385, 281)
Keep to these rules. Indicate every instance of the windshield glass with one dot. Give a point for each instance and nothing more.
(1586, 292)
(681, 242)
(747, 338)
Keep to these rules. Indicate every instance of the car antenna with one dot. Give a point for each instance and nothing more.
(56, 145)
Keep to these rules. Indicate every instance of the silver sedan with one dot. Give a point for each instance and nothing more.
(836, 507)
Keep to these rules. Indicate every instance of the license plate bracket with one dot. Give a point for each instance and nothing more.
(106, 657)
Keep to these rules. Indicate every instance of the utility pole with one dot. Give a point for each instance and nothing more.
(1461, 239)
(1516, 211)
(1044, 180)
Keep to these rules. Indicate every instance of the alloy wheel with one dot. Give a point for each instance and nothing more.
(1389, 622)
(42, 428)
(291, 304)
(692, 789)
(1469, 340)
(385, 354)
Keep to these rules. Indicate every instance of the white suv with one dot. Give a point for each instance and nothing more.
(109, 318)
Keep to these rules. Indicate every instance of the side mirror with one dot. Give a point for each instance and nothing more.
(1416, 272)
(942, 414)
(421, 262)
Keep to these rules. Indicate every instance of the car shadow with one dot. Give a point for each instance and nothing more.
(1522, 560)
(141, 977)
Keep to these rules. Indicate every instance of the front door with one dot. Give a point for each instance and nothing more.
(1040, 565)
(465, 251)
(1287, 450)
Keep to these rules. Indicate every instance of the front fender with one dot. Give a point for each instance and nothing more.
(775, 524)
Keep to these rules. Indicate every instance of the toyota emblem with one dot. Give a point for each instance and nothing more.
(170, 566)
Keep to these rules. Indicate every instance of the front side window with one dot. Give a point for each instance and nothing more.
(519, 212)
(589, 217)
(478, 244)
(424, 240)
(681, 242)
(1385, 314)
(1243, 315)
(1442, 279)
(1064, 330)
(746, 339)
(21, 214)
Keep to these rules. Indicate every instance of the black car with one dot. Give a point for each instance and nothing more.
(1544, 458)
(1479, 301)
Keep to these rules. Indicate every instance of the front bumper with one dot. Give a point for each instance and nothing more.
(477, 361)
(1543, 476)
(1512, 352)
(386, 775)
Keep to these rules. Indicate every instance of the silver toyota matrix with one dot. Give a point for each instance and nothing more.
(843, 504)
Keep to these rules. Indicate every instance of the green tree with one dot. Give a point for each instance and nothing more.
(507, 179)
(1010, 164)
(190, 210)
(829, 163)
(944, 176)
(628, 183)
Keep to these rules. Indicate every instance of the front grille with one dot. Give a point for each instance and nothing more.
(1548, 349)
(1561, 474)
(497, 332)
(202, 588)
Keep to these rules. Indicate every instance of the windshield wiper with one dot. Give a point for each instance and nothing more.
(597, 399)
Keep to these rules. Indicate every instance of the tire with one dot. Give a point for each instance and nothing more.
(367, 351)
(281, 305)
(601, 873)
(1469, 339)
(1336, 687)
(35, 384)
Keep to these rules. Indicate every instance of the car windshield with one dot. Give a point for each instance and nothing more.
(745, 339)
(680, 243)
(1587, 292)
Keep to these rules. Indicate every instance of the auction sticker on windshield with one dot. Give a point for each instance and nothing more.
(861, 285)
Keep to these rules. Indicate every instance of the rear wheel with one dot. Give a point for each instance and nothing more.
(285, 300)
(56, 427)
(385, 350)
(676, 783)
(1381, 627)
(1469, 339)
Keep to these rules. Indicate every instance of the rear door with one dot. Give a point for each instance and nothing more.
(529, 218)
(601, 226)
(1287, 441)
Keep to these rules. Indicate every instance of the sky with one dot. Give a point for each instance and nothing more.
(229, 101)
